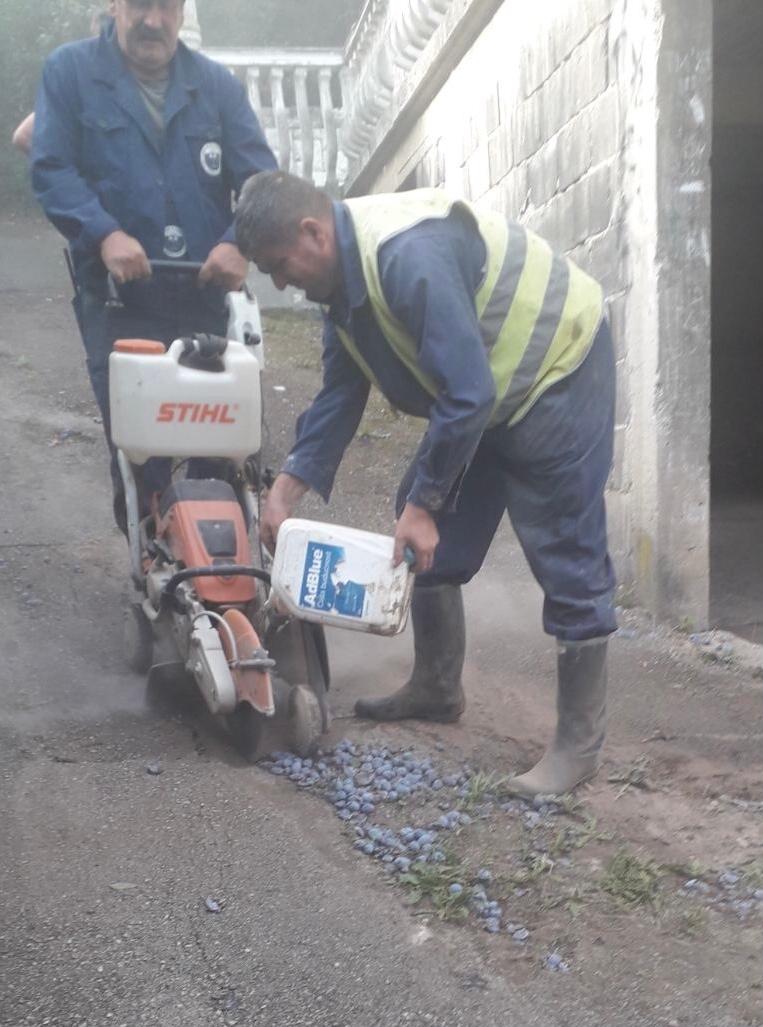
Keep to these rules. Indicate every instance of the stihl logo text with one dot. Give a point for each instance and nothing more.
(196, 413)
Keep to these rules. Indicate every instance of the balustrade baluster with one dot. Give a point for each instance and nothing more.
(328, 117)
(253, 92)
(281, 116)
(387, 40)
(305, 119)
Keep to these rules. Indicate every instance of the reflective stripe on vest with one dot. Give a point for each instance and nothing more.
(538, 313)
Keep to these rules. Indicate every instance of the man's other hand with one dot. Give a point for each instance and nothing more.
(416, 528)
(22, 137)
(125, 258)
(280, 503)
(225, 267)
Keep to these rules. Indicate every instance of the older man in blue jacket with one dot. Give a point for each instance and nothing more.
(139, 147)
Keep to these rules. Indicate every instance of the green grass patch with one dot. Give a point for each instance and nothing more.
(431, 883)
(752, 874)
(691, 869)
(569, 838)
(534, 866)
(692, 922)
(631, 880)
(482, 787)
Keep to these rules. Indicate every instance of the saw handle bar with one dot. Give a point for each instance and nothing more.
(234, 570)
(183, 267)
(189, 267)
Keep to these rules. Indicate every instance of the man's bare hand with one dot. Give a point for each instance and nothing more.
(125, 258)
(280, 503)
(226, 267)
(22, 137)
(416, 528)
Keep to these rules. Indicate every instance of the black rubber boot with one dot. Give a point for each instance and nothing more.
(434, 690)
(573, 757)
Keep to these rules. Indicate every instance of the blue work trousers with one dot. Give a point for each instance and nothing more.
(549, 472)
(164, 309)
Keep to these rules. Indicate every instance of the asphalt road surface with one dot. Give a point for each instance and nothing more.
(106, 869)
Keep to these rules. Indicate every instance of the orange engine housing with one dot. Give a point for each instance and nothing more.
(203, 525)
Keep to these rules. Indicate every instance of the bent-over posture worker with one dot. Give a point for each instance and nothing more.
(139, 146)
(468, 320)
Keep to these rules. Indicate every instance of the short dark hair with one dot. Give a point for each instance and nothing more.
(271, 207)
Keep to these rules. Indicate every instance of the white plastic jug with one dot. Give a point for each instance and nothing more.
(161, 408)
(340, 576)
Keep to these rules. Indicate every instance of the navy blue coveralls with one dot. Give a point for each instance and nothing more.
(99, 164)
(549, 471)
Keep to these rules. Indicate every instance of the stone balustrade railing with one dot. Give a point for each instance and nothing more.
(321, 109)
(297, 95)
(387, 40)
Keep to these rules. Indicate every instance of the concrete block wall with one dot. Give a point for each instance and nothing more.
(553, 148)
(586, 120)
(529, 123)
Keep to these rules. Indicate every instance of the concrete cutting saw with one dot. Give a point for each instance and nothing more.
(200, 583)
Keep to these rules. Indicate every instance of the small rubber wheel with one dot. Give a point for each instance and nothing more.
(245, 725)
(138, 639)
(305, 721)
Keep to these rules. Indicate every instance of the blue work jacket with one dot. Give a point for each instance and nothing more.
(429, 274)
(99, 164)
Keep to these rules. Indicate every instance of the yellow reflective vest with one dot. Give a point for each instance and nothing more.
(538, 312)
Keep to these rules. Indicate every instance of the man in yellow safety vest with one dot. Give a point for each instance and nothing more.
(465, 318)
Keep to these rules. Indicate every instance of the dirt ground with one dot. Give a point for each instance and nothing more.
(680, 790)
(648, 886)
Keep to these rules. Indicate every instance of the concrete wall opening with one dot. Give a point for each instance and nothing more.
(736, 577)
